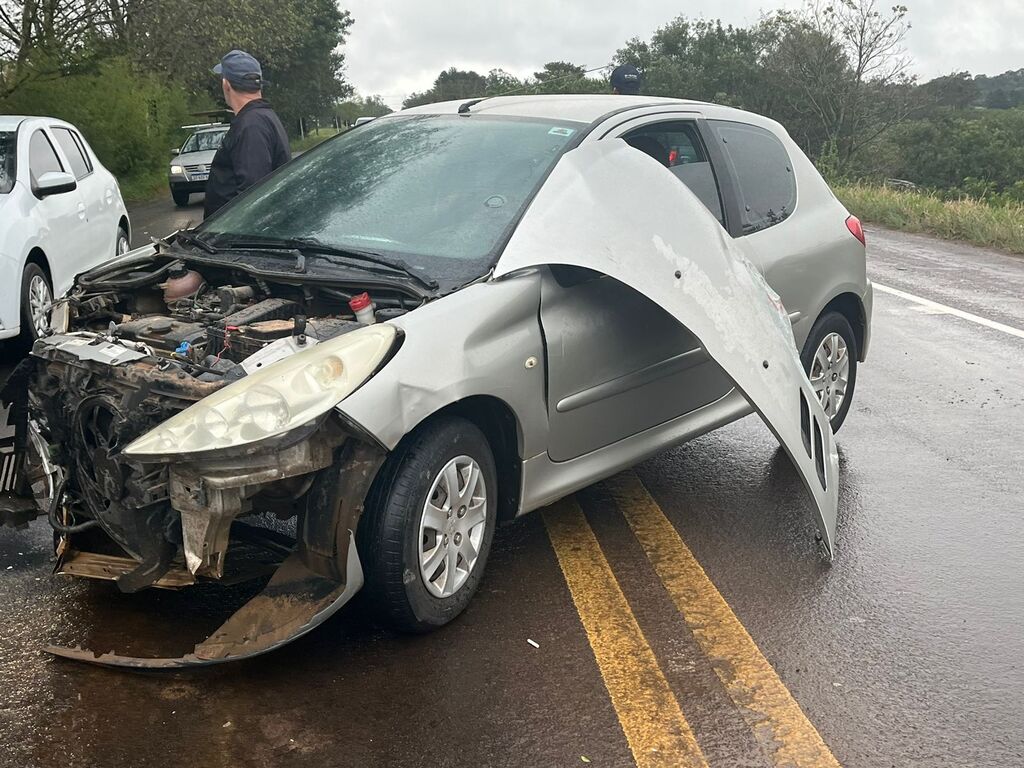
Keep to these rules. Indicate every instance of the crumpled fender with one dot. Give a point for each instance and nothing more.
(609, 208)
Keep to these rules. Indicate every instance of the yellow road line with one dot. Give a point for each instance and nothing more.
(778, 723)
(655, 728)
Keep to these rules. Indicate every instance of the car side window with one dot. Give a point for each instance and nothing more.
(81, 145)
(41, 157)
(677, 146)
(79, 165)
(763, 173)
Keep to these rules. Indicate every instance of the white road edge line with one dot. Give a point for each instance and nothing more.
(952, 311)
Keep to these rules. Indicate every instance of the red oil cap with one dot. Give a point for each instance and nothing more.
(362, 301)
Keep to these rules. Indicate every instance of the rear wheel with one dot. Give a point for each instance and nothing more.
(427, 529)
(36, 300)
(180, 198)
(123, 243)
(829, 358)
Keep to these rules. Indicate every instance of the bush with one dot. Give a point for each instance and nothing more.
(969, 219)
(130, 120)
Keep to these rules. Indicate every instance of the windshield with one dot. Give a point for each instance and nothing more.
(8, 153)
(439, 191)
(203, 142)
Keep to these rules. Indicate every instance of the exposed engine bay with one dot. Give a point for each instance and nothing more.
(138, 342)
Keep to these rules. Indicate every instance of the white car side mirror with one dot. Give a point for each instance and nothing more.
(54, 183)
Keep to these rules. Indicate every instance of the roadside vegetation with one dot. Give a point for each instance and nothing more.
(969, 219)
(837, 75)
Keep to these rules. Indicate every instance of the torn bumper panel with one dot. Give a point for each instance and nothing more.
(295, 601)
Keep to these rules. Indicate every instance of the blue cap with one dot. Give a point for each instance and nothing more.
(241, 70)
(626, 79)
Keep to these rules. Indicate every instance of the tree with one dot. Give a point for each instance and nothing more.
(500, 83)
(450, 85)
(46, 38)
(701, 59)
(839, 74)
(957, 90)
(352, 109)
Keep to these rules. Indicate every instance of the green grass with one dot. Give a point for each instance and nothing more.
(312, 139)
(144, 187)
(971, 220)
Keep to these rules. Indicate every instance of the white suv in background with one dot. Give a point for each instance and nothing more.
(61, 213)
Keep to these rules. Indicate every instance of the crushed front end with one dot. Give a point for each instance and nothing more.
(154, 428)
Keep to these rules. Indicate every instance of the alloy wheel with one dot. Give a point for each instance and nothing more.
(830, 373)
(40, 299)
(452, 526)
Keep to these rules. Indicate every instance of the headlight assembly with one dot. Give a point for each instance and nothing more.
(177, 170)
(272, 401)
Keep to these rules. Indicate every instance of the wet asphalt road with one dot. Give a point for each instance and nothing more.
(907, 650)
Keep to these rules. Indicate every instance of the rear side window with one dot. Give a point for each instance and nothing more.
(8, 158)
(41, 157)
(72, 151)
(764, 174)
(676, 145)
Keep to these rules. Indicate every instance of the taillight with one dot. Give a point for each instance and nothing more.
(853, 224)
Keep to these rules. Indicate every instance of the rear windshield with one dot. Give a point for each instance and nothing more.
(203, 142)
(437, 191)
(8, 153)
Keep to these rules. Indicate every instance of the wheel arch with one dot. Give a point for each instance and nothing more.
(850, 306)
(38, 257)
(496, 419)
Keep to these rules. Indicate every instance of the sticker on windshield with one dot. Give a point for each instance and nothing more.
(557, 131)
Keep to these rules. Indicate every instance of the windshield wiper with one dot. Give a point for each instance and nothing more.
(189, 237)
(312, 245)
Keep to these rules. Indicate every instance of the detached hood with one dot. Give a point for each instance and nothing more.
(612, 209)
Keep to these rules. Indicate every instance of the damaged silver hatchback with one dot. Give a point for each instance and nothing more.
(438, 321)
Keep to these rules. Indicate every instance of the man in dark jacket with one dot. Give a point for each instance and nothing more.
(256, 144)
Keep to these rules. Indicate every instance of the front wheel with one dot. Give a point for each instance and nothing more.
(36, 299)
(180, 198)
(427, 529)
(829, 358)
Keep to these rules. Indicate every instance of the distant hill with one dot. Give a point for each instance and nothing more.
(1003, 91)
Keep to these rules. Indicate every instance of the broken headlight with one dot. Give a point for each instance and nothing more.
(272, 401)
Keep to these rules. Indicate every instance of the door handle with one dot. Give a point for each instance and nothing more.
(81, 211)
(110, 197)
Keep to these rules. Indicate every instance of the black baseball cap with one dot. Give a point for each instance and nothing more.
(241, 70)
(626, 79)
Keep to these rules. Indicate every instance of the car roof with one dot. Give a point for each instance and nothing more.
(582, 108)
(11, 122)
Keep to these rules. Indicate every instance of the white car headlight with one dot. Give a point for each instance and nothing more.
(177, 170)
(274, 400)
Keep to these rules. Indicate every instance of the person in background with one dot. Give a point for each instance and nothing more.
(626, 80)
(256, 143)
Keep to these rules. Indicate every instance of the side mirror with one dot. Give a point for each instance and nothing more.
(175, 152)
(54, 183)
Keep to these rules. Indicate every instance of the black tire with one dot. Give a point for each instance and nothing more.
(180, 198)
(122, 237)
(31, 272)
(828, 323)
(388, 537)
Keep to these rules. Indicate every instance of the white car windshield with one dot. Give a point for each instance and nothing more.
(203, 142)
(439, 191)
(8, 153)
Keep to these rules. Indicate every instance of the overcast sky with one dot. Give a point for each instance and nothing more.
(399, 46)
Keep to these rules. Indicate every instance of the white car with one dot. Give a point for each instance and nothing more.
(61, 213)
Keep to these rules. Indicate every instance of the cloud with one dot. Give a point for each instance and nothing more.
(399, 46)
